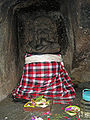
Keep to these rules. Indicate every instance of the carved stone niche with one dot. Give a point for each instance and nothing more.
(40, 32)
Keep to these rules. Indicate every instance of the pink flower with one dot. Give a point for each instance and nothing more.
(77, 118)
(69, 118)
(48, 112)
(68, 109)
(33, 118)
(66, 117)
(62, 108)
(44, 113)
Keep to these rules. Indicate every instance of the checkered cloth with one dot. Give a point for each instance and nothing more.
(45, 78)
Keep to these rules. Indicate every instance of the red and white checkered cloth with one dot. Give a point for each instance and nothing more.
(45, 78)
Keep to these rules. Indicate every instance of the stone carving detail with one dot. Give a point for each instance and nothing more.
(44, 36)
(41, 32)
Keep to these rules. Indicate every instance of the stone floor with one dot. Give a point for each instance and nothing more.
(10, 110)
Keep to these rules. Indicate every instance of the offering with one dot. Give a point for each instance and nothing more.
(72, 110)
(39, 103)
(30, 104)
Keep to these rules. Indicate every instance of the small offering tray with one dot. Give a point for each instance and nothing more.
(39, 104)
(72, 110)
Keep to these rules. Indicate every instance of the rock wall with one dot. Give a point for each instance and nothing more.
(81, 61)
(7, 62)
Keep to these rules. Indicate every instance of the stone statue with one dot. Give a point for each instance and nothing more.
(45, 38)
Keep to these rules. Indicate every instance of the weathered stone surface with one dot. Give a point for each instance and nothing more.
(7, 63)
(81, 73)
(85, 14)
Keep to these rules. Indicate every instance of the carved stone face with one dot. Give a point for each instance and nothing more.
(45, 36)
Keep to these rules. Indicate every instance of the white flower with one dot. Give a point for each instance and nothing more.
(38, 118)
